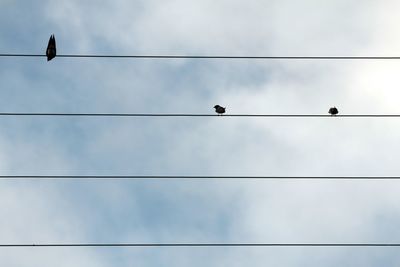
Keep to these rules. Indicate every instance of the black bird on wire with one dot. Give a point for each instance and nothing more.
(333, 111)
(51, 50)
(220, 110)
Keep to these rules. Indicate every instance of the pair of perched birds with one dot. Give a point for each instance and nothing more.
(51, 53)
(220, 110)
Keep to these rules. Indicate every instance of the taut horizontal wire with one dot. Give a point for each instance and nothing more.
(199, 177)
(204, 245)
(211, 57)
(48, 114)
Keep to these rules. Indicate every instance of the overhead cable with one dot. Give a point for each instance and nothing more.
(202, 245)
(62, 114)
(209, 57)
(199, 177)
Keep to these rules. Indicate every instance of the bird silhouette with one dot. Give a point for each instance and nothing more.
(220, 110)
(333, 111)
(51, 50)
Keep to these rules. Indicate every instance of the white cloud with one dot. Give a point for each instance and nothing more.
(301, 211)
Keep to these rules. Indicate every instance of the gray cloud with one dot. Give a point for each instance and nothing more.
(204, 211)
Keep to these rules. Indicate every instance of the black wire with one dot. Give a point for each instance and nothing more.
(187, 177)
(205, 245)
(213, 57)
(193, 115)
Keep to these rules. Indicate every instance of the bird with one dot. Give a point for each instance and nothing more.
(333, 111)
(220, 110)
(51, 50)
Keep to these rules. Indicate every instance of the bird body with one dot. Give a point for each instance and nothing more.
(333, 111)
(220, 110)
(51, 50)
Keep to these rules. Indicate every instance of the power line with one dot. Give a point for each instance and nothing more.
(204, 245)
(211, 57)
(53, 114)
(199, 177)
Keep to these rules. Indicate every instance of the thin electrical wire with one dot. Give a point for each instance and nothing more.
(203, 245)
(52, 114)
(199, 177)
(210, 57)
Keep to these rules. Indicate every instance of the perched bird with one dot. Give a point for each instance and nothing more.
(333, 111)
(220, 110)
(51, 50)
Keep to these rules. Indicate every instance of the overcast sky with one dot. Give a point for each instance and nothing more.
(170, 211)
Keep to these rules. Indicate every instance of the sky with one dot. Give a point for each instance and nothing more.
(220, 211)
